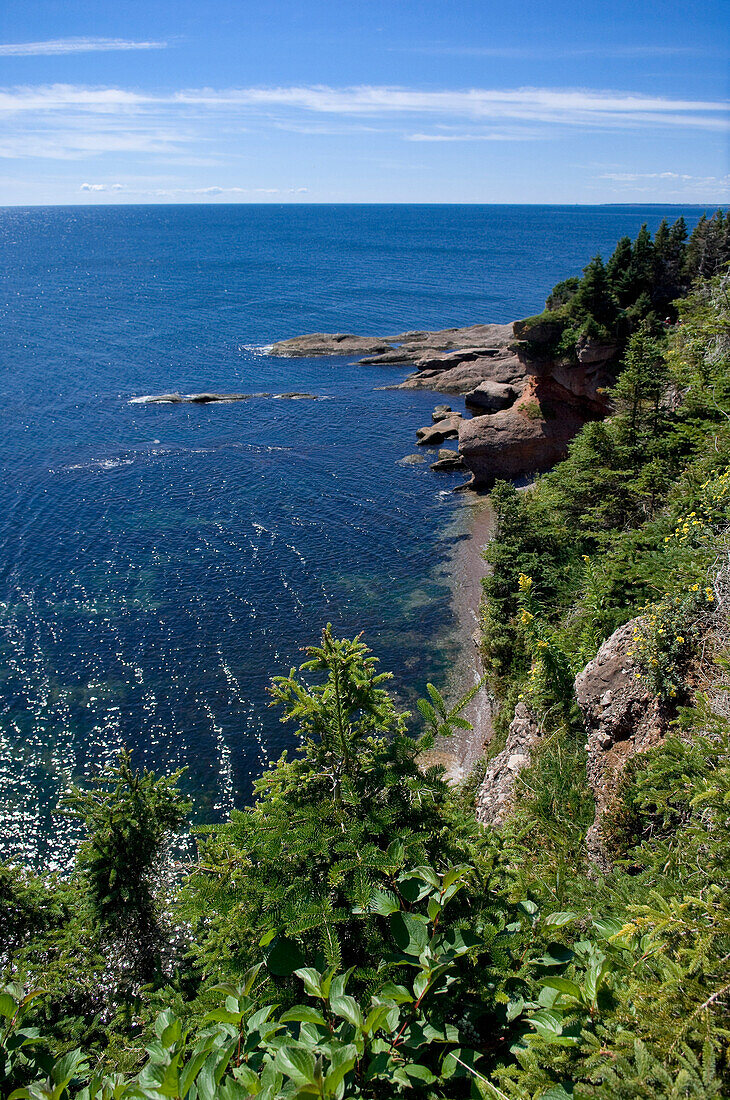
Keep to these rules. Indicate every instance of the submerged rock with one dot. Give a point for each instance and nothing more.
(214, 398)
(441, 412)
(412, 460)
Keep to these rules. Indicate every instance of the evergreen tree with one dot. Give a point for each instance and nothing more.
(129, 818)
(594, 297)
(669, 279)
(642, 267)
(618, 270)
(328, 828)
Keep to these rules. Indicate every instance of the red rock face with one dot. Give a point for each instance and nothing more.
(533, 433)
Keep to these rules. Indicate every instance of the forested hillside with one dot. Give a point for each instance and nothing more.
(355, 931)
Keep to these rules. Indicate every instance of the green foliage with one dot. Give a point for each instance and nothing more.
(410, 1038)
(128, 817)
(328, 828)
(637, 287)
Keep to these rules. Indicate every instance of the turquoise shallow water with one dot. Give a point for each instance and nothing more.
(159, 563)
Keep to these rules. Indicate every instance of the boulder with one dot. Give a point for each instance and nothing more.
(591, 353)
(434, 434)
(622, 717)
(448, 460)
(541, 330)
(490, 397)
(412, 460)
(496, 794)
(441, 412)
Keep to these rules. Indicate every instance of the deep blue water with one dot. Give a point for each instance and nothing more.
(159, 563)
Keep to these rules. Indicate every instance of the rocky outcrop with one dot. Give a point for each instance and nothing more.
(448, 461)
(495, 797)
(405, 347)
(622, 718)
(527, 402)
(441, 412)
(315, 344)
(529, 437)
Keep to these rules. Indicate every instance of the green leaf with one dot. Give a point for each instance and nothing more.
(455, 875)
(302, 1014)
(348, 1008)
(296, 1063)
(420, 1073)
(312, 981)
(555, 955)
(607, 927)
(558, 919)
(410, 932)
(565, 986)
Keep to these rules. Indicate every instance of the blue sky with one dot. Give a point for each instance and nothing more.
(338, 101)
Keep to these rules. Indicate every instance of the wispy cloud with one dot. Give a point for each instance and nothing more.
(576, 107)
(207, 125)
(501, 135)
(585, 108)
(74, 45)
(669, 184)
(213, 191)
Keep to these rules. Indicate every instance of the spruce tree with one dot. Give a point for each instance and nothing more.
(618, 270)
(129, 818)
(595, 297)
(642, 267)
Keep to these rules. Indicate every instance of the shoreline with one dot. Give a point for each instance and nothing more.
(466, 568)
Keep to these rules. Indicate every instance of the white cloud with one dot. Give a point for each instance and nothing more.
(73, 45)
(515, 135)
(578, 107)
(214, 191)
(670, 184)
(572, 107)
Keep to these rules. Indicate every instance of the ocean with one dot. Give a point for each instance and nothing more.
(159, 563)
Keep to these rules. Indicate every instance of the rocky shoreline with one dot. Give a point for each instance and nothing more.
(525, 404)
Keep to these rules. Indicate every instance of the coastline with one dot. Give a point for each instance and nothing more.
(466, 567)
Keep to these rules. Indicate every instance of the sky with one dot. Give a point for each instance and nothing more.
(144, 101)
